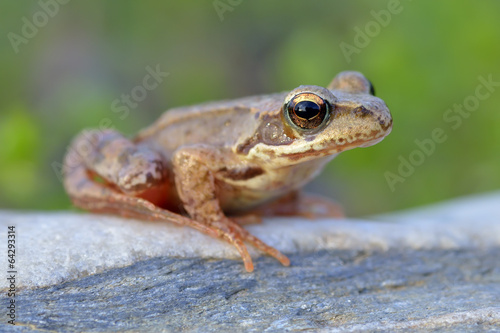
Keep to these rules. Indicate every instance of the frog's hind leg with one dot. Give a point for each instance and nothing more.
(117, 161)
(306, 205)
(93, 187)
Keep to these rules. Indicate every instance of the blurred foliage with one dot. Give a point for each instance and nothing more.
(425, 60)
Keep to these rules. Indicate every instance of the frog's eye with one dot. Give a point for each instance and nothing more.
(307, 110)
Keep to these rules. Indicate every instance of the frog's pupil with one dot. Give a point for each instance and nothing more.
(307, 109)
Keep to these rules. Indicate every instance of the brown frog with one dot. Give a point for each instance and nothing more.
(197, 165)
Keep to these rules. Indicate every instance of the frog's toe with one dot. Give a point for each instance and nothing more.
(231, 232)
(256, 242)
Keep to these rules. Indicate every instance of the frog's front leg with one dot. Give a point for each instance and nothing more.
(194, 169)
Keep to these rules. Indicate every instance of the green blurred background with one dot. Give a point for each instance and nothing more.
(66, 76)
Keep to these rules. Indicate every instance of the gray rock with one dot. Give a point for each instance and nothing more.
(434, 269)
(343, 290)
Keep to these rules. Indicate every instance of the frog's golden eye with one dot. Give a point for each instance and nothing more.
(307, 110)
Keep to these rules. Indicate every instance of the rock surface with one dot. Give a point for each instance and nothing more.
(432, 269)
(344, 290)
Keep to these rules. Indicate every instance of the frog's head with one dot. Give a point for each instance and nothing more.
(318, 122)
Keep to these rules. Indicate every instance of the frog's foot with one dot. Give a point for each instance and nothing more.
(236, 235)
(307, 205)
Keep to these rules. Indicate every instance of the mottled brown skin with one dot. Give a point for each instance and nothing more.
(244, 156)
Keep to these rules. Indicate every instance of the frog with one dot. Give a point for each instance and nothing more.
(218, 166)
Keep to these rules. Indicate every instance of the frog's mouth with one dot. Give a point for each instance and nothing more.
(376, 137)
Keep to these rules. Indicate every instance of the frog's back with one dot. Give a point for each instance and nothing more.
(221, 123)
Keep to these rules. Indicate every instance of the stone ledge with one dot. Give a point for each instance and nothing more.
(57, 247)
(342, 290)
(432, 269)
